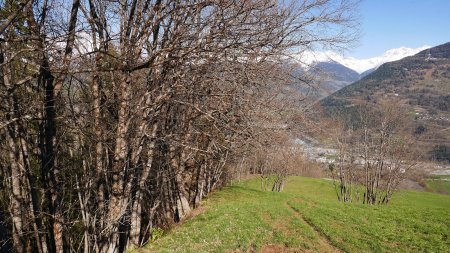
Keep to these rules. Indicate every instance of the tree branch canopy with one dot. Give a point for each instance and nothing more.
(121, 116)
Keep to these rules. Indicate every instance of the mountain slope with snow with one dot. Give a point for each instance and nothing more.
(331, 76)
(359, 65)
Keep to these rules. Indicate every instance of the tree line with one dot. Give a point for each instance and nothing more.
(120, 116)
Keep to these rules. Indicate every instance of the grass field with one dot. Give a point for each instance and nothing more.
(306, 217)
(438, 185)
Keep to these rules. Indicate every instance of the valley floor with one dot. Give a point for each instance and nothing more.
(306, 217)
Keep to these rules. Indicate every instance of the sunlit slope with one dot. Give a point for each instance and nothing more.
(308, 218)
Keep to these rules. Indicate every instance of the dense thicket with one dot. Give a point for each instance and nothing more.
(118, 116)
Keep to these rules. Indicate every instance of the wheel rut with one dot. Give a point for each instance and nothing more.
(324, 243)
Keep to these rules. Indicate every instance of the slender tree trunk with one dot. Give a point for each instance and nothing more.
(136, 214)
(16, 207)
(99, 155)
(16, 202)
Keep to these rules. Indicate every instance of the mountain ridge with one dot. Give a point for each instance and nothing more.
(360, 65)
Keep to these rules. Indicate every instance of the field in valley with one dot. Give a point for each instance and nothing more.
(306, 217)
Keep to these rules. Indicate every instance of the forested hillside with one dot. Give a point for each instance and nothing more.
(419, 85)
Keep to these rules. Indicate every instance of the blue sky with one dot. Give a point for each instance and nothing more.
(388, 24)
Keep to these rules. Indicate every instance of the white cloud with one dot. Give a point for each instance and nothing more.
(359, 65)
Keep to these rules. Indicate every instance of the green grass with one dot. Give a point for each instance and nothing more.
(438, 185)
(307, 217)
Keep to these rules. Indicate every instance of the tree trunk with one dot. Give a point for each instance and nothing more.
(117, 205)
(136, 214)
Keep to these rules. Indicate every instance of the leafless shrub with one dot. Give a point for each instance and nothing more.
(373, 157)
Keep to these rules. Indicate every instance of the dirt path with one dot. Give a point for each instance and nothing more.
(324, 243)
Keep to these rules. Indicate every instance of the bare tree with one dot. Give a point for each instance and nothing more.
(119, 116)
(375, 155)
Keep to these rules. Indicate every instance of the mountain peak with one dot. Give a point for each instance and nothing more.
(402, 52)
(360, 65)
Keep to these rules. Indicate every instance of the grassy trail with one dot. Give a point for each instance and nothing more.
(306, 217)
(323, 242)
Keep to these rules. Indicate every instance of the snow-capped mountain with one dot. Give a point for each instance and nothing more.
(359, 65)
